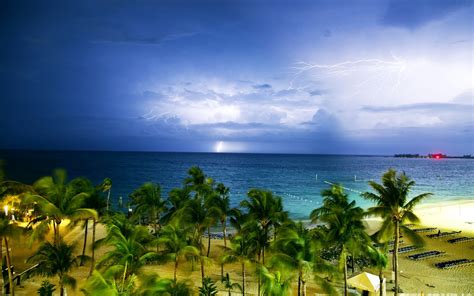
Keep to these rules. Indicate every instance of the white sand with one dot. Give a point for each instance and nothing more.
(456, 215)
(452, 215)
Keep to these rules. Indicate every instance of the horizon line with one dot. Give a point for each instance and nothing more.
(207, 152)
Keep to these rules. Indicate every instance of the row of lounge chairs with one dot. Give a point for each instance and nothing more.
(432, 254)
(217, 235)
(405, 249)
(428, 229)
(460, 239)
(454, 263)
(426, 255)
(442, 234)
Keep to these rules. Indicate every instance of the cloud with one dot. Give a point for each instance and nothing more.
(420, 106)
(136, 39)
(323, 121)
(262, 86)
(413, 14)
(316, 92)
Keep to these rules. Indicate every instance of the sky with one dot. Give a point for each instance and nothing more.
(329, 77)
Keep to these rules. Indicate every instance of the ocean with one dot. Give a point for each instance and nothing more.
(298, 179)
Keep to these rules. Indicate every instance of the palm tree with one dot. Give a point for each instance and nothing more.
(152, 285)
(229, 285)
(56, 260)
(97, 202)
(221, 203)
(378, 259)
(296, 248)
(130, 251)
(179, 288)
(208, 287)
(8, 229)
(242, 250)
(177, 200)
(148, 204)
(344, 224)
(204, 193)
(107, 284)
(58, 200)
(197, 180)
(267, 209)
(214, 214)
(107, 186)
(196, 213)
(395, 207)
(84, 186)
(275, 283)
(176, 240)
(46, 289)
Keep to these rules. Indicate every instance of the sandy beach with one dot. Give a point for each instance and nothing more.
(422, 276)
(417, 277)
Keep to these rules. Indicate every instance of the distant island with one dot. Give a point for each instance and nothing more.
(435, 156)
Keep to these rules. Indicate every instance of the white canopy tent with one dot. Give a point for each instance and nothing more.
(367, 284)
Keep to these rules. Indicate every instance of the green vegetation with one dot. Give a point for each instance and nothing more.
(280, 255)
(395, 207)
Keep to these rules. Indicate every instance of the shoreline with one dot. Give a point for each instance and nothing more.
(454, 215)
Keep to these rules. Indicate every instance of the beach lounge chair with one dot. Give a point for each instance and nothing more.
(454, 263)
(428, 229)
(460, 240)
(390, 243)
(426, 255)
(442, 234)
(405, 249)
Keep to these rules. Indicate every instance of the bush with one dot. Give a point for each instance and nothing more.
(46, 289)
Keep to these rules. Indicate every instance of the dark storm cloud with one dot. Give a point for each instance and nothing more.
(181, 75)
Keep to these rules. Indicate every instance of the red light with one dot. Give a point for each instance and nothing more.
(437, 156)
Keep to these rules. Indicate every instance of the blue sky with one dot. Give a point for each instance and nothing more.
(357, 77)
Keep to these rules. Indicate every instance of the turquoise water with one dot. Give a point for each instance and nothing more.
(293, 177)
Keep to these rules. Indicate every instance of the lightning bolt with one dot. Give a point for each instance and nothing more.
(379, 71)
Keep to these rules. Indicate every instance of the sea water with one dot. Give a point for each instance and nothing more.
(298, 179)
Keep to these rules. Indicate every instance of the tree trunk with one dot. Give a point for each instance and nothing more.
(303, 283)
(9, 267)
(93, 249)
(258, 275)
(61, 287)
(55, 232)
(202, 266)
(381, 281)
(108, 199)
(258, 284)
(175, 268)
(395, 254)
(299, 284)
(58, 232)
(263, 249)
(346, 291)
(85, 242)
(243, 278)
(208, 241)
(224, 231)
(352, 263)
(1, 261)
